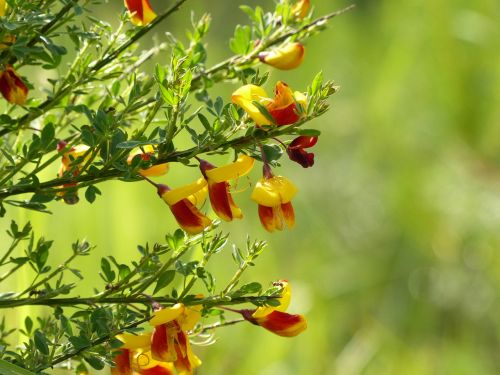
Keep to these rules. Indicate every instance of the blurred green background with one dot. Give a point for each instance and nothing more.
(395, 255)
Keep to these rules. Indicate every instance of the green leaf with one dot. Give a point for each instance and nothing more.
(240, 44)
(7, 368)
(91, 192)
(79, 342)
(95, 362)
(41, 343)
(272, 152)
(109, 274)
(165, 278)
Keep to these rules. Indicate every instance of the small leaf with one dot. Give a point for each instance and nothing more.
(41, 343)
(165, 278)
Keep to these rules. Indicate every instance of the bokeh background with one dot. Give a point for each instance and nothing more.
(395, 255)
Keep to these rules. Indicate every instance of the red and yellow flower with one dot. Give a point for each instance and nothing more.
(170, 341)
(218, 185)
(145, 153)
(287, 57)
(296, 152)
(182, 202)
(140, 11)
(301, 8)
(68, 159)
(274, 195)
(275, 319)
(12, 87)
(135, 358)
(283, 108)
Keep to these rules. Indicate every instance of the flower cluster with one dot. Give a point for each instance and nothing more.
(167, 347)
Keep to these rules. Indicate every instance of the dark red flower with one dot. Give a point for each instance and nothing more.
(296, 152)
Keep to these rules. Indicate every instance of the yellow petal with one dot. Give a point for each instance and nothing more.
(274, 191)
(167, 315)
(191, 316)
(175, 195)
(284, 301)
(287, 57)
(245, 96)
(199, 197)
(3, 5)
(242, 166)
(134, 342)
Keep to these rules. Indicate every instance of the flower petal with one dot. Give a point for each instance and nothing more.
(274, 191)
(122, 363)
(167, 314)
(140, 11)
(175, 195)
(301, 8)
(12, 86)
(222, 201)
(134, 342)
(189, 217)
(287, 57)
(242, 166)
(284, 301)
(245, 96)
(283, 324)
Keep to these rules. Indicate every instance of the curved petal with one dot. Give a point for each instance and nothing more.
(274, 191)
(287, 57)
(167, 315)
(12, 87)
(283, 324)
(242, 166)
(134, 342)
(175, 195)
(189, 217)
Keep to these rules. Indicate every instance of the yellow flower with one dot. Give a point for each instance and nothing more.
(12, 87)
(145, 153)
(182, 202)
(141, 13)
(218, 185)
(273, 195)
(283, 108)
(301, 8)
(287, 57)
(170, 342)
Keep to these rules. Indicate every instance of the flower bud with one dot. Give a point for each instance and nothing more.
(287, 57)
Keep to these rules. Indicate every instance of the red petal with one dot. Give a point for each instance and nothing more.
(189, 217)
(288, 214)
(159, 344)
(222, 201)
(122, 362)
(267, 218)
(299, 155)
(303, 141)
(135, 6)
(285, 116)
(283, 324)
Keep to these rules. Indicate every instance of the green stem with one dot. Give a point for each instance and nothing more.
(240, 60)
(54, 273)
(92, 301)
(84, 180)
